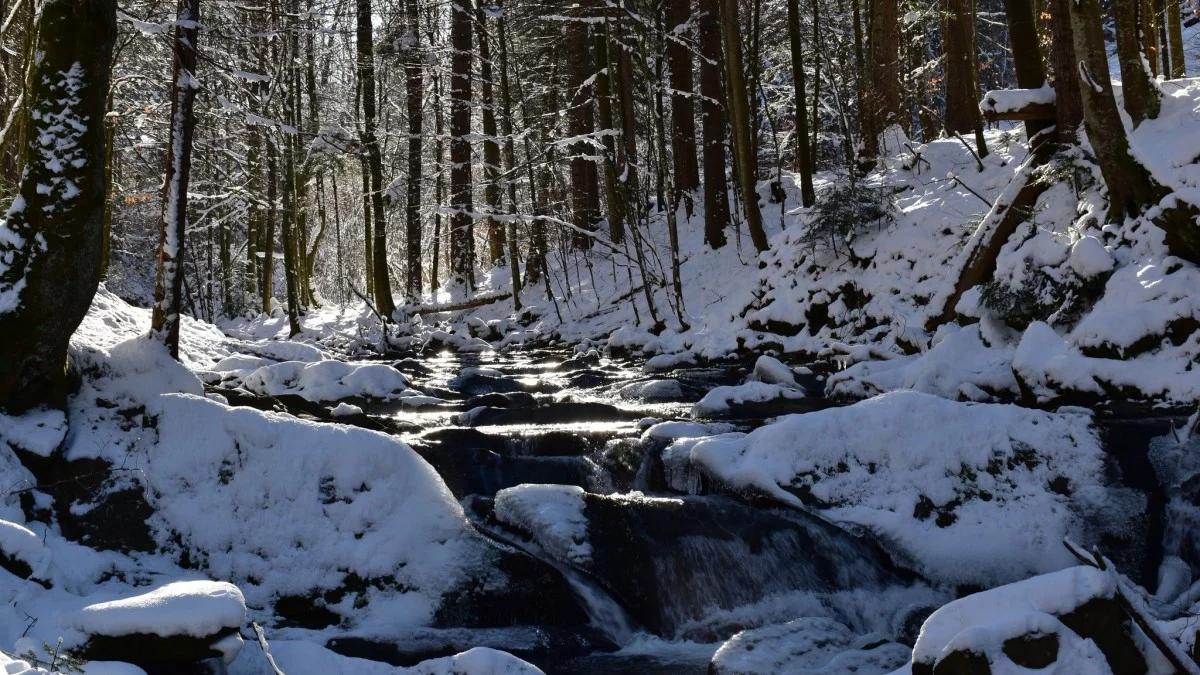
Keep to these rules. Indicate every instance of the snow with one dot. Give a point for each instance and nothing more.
(807, 646)
(772, 371)
(193, 608)
(40, 431)
(344, 409)
(875, 462)
(306, 658)
(553, 515)
(719, 399)
(282, 506)
(1011, 100)
(327, 380)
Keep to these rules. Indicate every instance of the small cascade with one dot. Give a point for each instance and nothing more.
(604, 613)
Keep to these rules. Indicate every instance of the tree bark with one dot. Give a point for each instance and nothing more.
(803, 158)
(462, 258)
(683, 113)
(1175, 40)
(883, 77)
(168, 286)
(1068, 105)
(492, 194)
(1141, 96)
(744, 160)
(1027, 53)
(585, 181)
(510, 159)
(414, 86)
(714, 123)
(366, 75)
(50, 243)
(961, 97)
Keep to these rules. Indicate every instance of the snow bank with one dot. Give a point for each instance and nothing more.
(192, 608)
(282, 506)
(719, 399)
(969, 491)
(961, 366)
(322, 381)
(110, 321)
(553, 515)
(1012, 100)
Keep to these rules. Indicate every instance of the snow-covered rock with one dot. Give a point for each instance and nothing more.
(719, 400)
(552, 515)
(327, 380)
(306, 658)
(286, 507)
(808, 646)
(771, 371)
(970, 491)
(189, 608)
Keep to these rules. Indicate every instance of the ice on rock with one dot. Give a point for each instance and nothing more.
(553, 515)
(192, 608)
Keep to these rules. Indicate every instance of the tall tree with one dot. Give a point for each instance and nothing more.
(414, 85)
(1027, 53)
(744, 159)
(882, 101)
(803, 154)
(50, 240)
(961, 96)
(491, 144)
(1175, 40)
(366, 75)
(683, 114)
(462, 235)
(1140, 94)
(585, 180)
(168, 286)
(714, 124)
(1068, 106)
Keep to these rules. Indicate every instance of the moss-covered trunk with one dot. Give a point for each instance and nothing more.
(51, 240)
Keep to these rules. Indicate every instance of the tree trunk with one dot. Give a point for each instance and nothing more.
(1027, 53)
(366, 75)
(168, 286)
(268, 245)
(803, 159)
(492, 194)
(1068, 106)
(1175, 40)
(585, 181)
(961, 97)
(883, 77)
(614, 189)
(1147, 21)
(414, 86)
(714, 123)
(1141, 96)
(462, 259)
(683, 114)
(744, 160)
(1130, 186)
(50, 243)
(510, 160)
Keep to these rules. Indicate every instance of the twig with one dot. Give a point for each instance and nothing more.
(978, 162)
(1169, 648)
(956, 179)
(262, 642)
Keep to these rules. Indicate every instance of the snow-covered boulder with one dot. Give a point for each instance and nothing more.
(1064, 623)
(812, 646)
(553, 515)
(175, 622)
(306, 658)
(285, 507)
(973, 493)
(329, 380)
(772, 371)
(721, 401)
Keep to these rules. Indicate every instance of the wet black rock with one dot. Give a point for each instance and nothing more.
(469, 470)
(516, 399)
(564, 412)
(158, 655)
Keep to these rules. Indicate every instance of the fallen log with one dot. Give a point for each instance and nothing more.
(481, 301)
(1010, 210)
